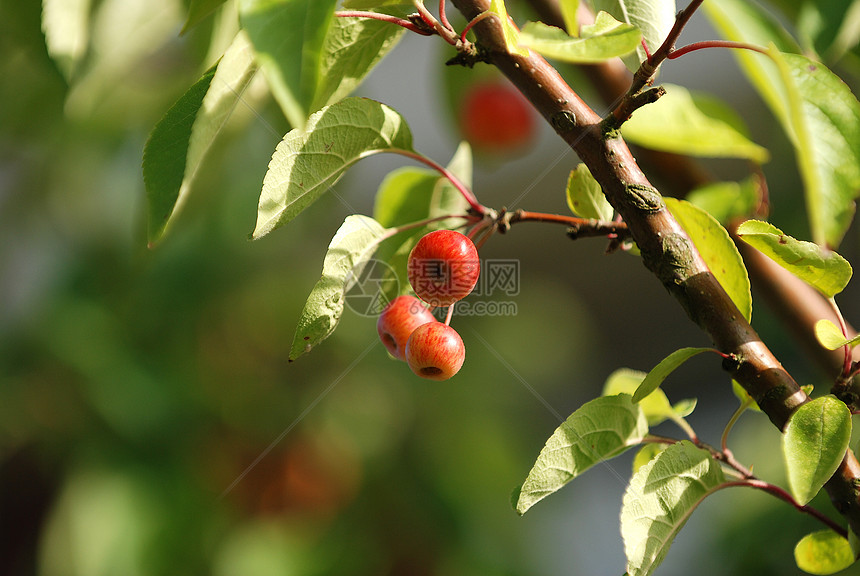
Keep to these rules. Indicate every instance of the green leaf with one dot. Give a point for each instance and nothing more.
(822, 118)
(510, 32)
(585, 196)
(655, 406)
(830, 26)
(165, 155)
(605, 39)
(234, 73)
(662, 370)
(815, 108)
(352, 48)
(660, 497)
(727, 201)
(654, 18)
(823, 552)
(288, 38)
(744, 396)
(198, 10)
(831, 337)
(349, 250)
(647, 453)
(66, 25)
(599, 430)
(815, 440)
(694, 125)
(308, 162)
(826, 271)
(403, 196)
(180, 141)
(569, 10)
(684, 408)
(717, 250)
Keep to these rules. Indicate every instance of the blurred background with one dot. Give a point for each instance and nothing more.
(149, 420)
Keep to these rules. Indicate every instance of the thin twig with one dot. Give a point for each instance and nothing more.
(402, 22)
(774, 490)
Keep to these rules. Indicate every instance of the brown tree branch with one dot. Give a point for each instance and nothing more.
(792, 300)
(666, 249)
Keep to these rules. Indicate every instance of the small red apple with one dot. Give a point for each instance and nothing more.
(398, 320)
(435, 351)
(443, 267)
(495, 117)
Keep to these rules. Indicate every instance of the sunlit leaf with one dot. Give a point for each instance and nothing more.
(116, 75)
(198, 10)
(585, 196)
(717, 250)
(822, 117)
(744, 396)
(660, 498)
(815, 440)
(510, 32)
(662, 370)
(165, 155)
(743, 21)
(349, 250)
(654, 18)
(655, 406)
(308, 162)
(66, 25)
(352, 48)
(727, 201)
(605, 39)
(647, 453)
(826, 271)
(692, 124)
(600, 429)
(816, 109)
(569, 10)
(684, 408)
(823, 552)
(831, 337)
(234, 73)
(288, 38)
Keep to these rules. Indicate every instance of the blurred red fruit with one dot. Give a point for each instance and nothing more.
(496, 117)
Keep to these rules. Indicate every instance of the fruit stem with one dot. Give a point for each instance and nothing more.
(578, 227)
(774, 490)
(476, 206)
(713, 44)
(443, 18)
(450, 314)
(419, 223)
(402, 22)
(471, 23)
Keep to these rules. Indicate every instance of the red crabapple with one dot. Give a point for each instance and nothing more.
(398, 320)
(496, 117)
(435, 351)
(443, 267)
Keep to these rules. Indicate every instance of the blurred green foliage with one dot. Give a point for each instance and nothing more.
(149, 420)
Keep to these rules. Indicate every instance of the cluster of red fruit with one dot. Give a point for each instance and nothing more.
(443, 268)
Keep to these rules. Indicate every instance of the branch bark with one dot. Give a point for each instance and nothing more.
(666, 249)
